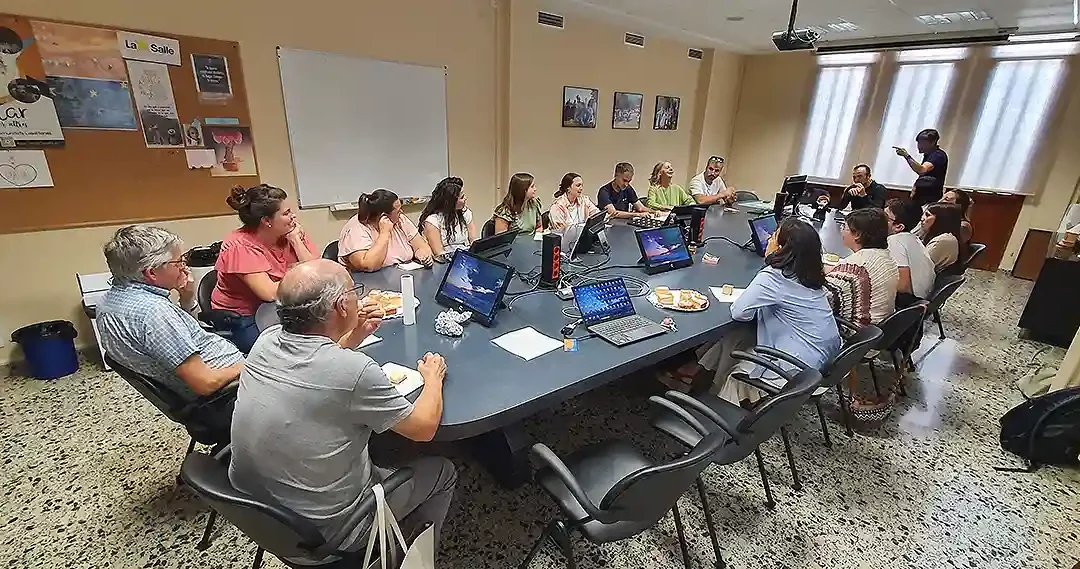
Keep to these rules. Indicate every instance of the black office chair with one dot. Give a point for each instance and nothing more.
(858, 342)
(489, 228)
(218, 321)
(960, 267)
(331, 251)
(545, 218)
(270, 525)
(746, 196)
(610, 491)
(206, 419)
(944, 287)
(893, 330)
(745, 429)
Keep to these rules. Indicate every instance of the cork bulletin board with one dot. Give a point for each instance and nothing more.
(123, 173)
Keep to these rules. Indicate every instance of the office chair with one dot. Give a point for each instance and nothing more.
(746, 196)
(944, 287)
(893, 330)
(331, 251)
(489, 228)
(219, 321)
(960, 267)
(545, 218)
(856, 345)
(270, 525)
(610, 491)
(207, 419)
(744, 429)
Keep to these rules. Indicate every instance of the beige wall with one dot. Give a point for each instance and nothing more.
(504, 94)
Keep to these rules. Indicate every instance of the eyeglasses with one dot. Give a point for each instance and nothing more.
(358, 289)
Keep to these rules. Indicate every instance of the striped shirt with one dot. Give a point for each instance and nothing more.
(884, 278)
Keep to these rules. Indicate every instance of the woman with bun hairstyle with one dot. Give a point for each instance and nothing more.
(379, 235)
(255, 257)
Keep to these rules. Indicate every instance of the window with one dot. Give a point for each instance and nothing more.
(840, 85)
(1013, 110)
(918, 96)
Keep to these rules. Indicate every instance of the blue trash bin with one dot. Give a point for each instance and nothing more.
(49, 348)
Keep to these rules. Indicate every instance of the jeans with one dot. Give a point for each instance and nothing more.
(244, 333)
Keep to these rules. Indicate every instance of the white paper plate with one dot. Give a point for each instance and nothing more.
(399, 314)
(678, 296)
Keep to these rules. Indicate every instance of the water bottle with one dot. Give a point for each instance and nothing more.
(408, 300)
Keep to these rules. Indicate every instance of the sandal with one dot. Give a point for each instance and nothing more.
(871, 412)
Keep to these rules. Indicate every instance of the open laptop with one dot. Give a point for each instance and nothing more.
(609, 313)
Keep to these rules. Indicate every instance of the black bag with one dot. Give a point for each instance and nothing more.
(1044, 430)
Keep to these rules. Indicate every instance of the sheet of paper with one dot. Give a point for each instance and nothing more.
(527, 343)
(200, 157)
(155, 104)
(538, 236)
(410, 266)
(24, 169)
(718, 292)
(372, 339)
(412, 379)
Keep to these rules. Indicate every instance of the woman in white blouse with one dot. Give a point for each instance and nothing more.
(571, 207)
(447, 220)
(942, 225)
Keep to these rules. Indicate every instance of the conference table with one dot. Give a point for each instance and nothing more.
(488, 391)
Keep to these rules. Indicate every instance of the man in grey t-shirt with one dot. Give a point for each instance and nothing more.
(308, 403)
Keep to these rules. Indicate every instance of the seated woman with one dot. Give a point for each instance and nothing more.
(520, 209)
(255, 257)
(963, 200)
(379, 235)
(571, 207)
(447, 219)
(663, 195)
(941, 224)
(789, 303)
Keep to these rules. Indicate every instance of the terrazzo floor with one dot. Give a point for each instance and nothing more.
(88, 476)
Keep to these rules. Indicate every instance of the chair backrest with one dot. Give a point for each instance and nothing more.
(545, 218)
(974, 250)
(331, 251)
(851, 353)
(899, 322)
(206, 288)
(944, 287)
(778, 410)
(746, 196)
(647, 494)
(270, 525)
(489, 228)
(167, 401)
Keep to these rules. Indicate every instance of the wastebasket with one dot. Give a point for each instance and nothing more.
(49, 348)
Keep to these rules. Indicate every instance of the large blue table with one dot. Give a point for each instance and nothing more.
(489, 391)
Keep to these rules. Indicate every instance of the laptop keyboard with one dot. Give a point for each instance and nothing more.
(629, 329)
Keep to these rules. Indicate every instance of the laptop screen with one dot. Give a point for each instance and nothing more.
(475, 282)
(663, 245)
(602, 301)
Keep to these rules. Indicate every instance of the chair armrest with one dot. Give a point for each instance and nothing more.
(552, 461)
(777, 354)
(765, 363)
(226, 392)
(681, 413)
(848, 324)
(225, 454)
(702, 408)
(217, 317)
(758, 383)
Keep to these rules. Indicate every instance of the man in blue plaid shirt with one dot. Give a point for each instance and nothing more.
(144, 330)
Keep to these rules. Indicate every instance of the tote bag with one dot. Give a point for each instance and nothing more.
(385, 530)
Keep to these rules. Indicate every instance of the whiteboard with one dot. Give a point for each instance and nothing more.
(356, 125)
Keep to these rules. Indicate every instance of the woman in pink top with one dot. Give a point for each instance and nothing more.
(379, 235)
(255, 257)
(571, 207)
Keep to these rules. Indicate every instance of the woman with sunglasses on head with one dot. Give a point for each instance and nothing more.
(447, 219)
(379, 235)
(255, 257)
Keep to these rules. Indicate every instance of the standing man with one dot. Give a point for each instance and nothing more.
(708, 187)
(618, 197)
(864, 191)
(933, 167)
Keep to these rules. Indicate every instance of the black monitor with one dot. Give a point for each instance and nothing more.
(761, 230)
(475, 284)
(794, 188)
(498, 244)
(663, 249)
(587, 238)
(692, 219)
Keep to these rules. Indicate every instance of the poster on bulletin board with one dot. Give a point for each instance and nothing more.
(27, 114)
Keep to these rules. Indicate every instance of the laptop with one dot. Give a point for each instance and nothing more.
(761, 230)
(609, 313)
(475, 284)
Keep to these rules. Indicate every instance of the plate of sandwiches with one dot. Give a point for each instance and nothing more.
(390, 302)
(684, 300)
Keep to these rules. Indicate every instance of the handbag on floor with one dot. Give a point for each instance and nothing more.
(1044, 430)
(385, 529)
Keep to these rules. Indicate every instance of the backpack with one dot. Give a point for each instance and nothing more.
(1044, 430)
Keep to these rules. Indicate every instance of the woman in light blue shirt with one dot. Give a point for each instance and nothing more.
(788, 301)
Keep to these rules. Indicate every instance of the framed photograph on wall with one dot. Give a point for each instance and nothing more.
(667, 113)
(579, 107)
(626, 111)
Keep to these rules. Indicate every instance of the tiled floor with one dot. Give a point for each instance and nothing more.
(88, 477)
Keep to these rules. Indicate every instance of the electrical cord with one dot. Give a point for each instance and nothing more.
(510, 303)
(516, 294)
(722, 238)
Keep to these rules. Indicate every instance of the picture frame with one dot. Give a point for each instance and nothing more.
(580, 106)
(666, 115)
(626, 110)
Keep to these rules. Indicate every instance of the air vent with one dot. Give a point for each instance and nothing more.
(550, 20)
(635, 40)
(694, 53)
(953, 17)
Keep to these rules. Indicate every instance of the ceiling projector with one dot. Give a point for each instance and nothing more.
(795, 40)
